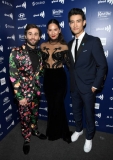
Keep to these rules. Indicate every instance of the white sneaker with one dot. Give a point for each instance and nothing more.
(87, 146)
(76, 135)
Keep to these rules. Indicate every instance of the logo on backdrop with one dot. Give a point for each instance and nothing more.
(97, 105)
(8, 118)
(8, 26)
(101, 97)
(57, 12)
(42, 14)
(55, 1)
(96, 123)
(109, 125)
(21, 17)
(84, 10)
(109, 117)
(6, 100)
(103, 41)
(1, 60)
(3, 70)
(38, 3)
(12, 37)
(22, 5)
(1, 48)
(9, 15)
(9, 108)
(111, 98)
(6, 90)
(61, 24)
(3, 81)
(106, 53)
(23, 27)
(105, 1)
(43, 36)
(11, 47)
(12, 123)
(22, 37)
(45, 109)
(107, 28)
(98, 115)
(7, 3)
(110, 108)
(41, 25)
(104, 14)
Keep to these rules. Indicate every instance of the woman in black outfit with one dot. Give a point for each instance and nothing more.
(55, 54)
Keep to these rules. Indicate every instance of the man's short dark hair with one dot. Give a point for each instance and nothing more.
(30, 26)
(76, 11)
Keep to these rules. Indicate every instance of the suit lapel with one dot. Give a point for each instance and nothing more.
(84, 40)
(71, 56)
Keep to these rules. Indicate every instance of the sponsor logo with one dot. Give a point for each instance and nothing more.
(41, 115)
(42, 14)
(0, 39)
(11, 47)
(6, 90)
(71, 121)
(22, 37)
(106, 53)
(110, 108)
(21, 17)
(9, 117)
(22, 5)
(1, 48)
(108, 29)
(38, 3)
(45, 109)
(12, 37)
(43, 36)
(97, 105)
(9, 15)
(1, 60)
(61, 24)
(11, 124)
(109, 117)
(1, 133)
(84, 10)
(98, 115)
(7, 3)
(44, 101)
(8, 26)
(105, 1)
(41, 25)
(71, 113)
(23, 27)
(70, 105)
(3, 70)
(3, 81)
(57, 12)
(103, 41)
(101, 97)
(56, 1)
(0, 126)
(111, 98)
(96, 123)
(9, 108)
(6, 100)
(109, 125)
(104, 14)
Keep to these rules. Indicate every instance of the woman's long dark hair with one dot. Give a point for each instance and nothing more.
(60, 37)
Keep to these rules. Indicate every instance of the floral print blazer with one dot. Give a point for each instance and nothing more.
(25, 82)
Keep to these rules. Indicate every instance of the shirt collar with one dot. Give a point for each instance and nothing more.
(81, 36)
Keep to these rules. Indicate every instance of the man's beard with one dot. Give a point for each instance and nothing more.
(34, 44)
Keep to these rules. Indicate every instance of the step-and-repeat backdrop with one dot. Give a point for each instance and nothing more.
(15, 15)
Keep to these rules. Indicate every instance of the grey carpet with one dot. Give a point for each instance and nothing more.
(11, 147)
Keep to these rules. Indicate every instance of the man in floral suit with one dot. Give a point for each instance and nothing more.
(25, 68)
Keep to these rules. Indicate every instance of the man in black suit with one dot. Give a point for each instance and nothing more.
(88, 67)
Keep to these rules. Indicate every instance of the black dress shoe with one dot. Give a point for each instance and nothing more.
(39, 135)
(26, 147)
(67, 138)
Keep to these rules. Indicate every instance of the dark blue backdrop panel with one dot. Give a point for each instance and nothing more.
(17, 14)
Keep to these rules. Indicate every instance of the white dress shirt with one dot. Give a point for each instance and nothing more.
(74, 43)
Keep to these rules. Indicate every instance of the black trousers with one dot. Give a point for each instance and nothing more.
(80, 100)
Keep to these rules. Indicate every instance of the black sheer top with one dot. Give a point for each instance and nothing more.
(56, 59)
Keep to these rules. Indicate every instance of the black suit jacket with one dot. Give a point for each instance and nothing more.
(90, 66)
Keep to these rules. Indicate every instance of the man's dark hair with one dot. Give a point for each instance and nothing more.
(76, 11)
(30, 26)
